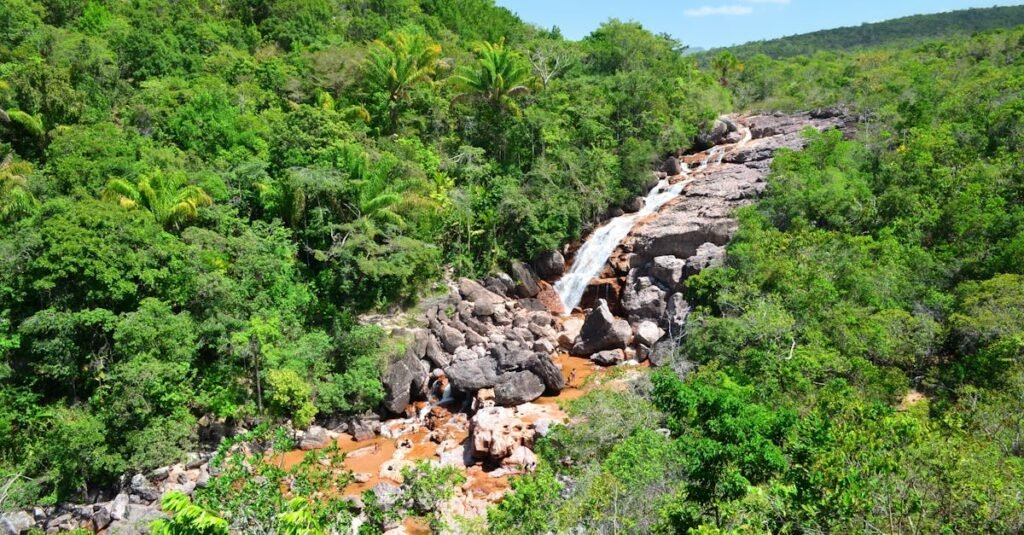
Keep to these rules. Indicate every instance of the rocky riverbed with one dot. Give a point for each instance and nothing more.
(482, 377)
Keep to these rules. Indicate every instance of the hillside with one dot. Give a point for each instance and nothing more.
(396, 266)
(907, 29)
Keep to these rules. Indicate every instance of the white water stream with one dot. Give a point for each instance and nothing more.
(592, 255)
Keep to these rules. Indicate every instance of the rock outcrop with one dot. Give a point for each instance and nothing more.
(601, 330)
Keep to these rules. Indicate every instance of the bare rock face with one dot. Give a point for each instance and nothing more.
(570, 331)
(602, 331)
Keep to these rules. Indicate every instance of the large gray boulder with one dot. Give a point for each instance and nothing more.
(525, 279)
(708, 255)
(668, 270)
(672, 166)
(713, 136)
(549, 374)
(403, 380)
(315, 438)
(451, 338)
(602, 331)
(141, 487)
(662, 353)
(16, 523)
(101, 517)
(485, 302)
(609, 357)
(642, 298)
(648, 333)
(468, 376)
(517, 388)
(550, 265)
(633, 205)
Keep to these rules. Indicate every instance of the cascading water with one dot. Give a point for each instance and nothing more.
(591, 257)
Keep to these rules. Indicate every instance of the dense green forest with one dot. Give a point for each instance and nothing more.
(197, 201)
(889, 264)
(904, 31)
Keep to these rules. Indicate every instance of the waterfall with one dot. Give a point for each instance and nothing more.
(590, 258)
(592, 255)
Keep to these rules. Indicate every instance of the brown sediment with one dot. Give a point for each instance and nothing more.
(415, 525)
(483, 484)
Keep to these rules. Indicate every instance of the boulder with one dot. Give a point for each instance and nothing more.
(672, 166)
(101, 517)
(496, 432)
(602, 331)
(550, 265)
(642, 298)
(633, 205)
(525, 279)
(471, 375)
(707, 255)
(316, 438)
(715, 135)
(548, 372)
(517, 388)
(610, 357)
(510, 357)
(436, 355)
(451, 338)
(648, 333)
(16, 523)
(485, 302)
(662, 353)
(569, 332)
(119, 507)
(677, 310)
(668, 270)
(521, 459)
(404, 380)
(141, 487)
(418, 347)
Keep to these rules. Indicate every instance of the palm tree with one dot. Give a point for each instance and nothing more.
(169, 197)
(399, 63)
(16, 200)
(499, 75)
(725, 64)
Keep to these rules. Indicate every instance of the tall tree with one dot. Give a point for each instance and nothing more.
(499, 75)
(397, 64)
(16, 201)
(724, 65)
(169, 197)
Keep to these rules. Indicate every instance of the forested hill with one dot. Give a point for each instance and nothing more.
(915, 27)
(197, 200)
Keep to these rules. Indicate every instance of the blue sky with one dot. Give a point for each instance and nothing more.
(711, 23)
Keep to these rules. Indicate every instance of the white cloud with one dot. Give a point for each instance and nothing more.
(779, 2)
(705, 11)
